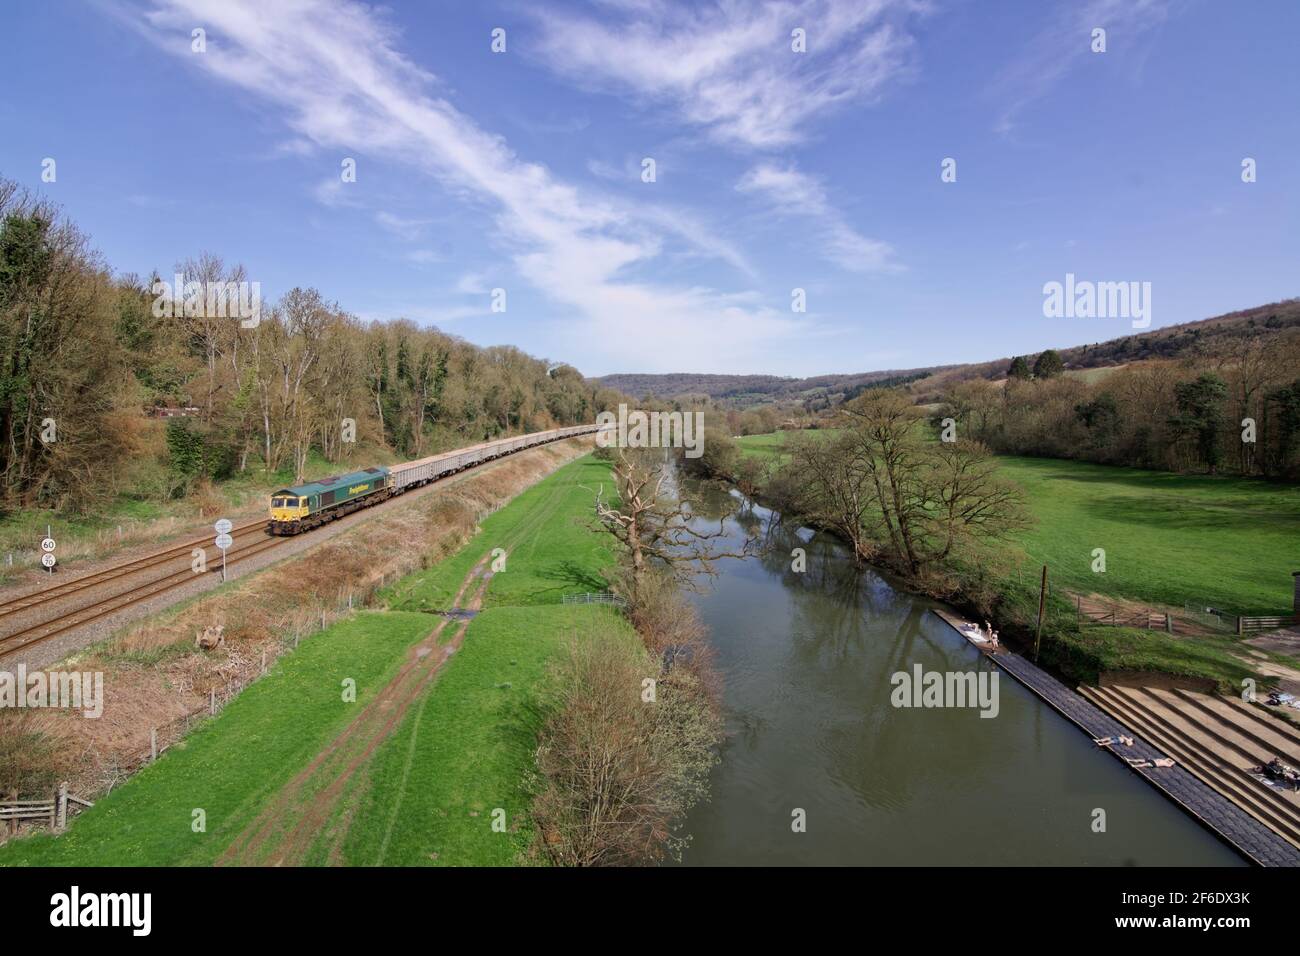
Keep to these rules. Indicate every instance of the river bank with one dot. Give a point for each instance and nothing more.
(807, 657)
(1146, 553)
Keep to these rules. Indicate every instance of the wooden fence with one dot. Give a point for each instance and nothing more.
(53, 812)
(1196, 619)
(1124, 617)
(1253, 625)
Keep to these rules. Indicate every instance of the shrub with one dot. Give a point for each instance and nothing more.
(618, 770)
(26, 756)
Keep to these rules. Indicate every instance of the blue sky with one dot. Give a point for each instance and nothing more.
(775, 170)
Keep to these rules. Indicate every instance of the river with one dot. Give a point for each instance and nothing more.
(807, 660)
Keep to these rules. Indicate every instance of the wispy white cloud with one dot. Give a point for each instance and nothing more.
(337, 73)
(297, 146)
(408, 229)
(795, 193)
(729, 67)
(332, 194)
(1065, 43)
(471, 283)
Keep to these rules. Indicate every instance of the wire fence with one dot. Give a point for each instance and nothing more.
(1210, 618)
(600, 597)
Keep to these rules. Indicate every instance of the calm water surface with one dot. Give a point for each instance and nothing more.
(807, 660)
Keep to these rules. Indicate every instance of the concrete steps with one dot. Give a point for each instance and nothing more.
(1215, 753)
(1272, 733)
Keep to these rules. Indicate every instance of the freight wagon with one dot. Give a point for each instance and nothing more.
(308, 506)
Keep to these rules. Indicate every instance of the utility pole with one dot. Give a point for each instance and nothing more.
(1042, 605)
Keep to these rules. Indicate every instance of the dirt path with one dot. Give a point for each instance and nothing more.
(312, 810)
(286, 828)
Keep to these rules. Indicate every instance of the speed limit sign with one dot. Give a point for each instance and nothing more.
(47, 545)
(47, 560)
(223, 526)
(224, 540)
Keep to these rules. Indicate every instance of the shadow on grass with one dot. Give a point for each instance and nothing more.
(1172, 512)
(1083, 472)
(568, 577)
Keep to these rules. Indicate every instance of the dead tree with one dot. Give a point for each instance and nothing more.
(652, 519)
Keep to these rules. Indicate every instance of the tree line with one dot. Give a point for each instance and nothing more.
(1234, 408)
(87, 358)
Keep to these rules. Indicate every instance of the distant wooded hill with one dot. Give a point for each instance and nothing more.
(1204, 337)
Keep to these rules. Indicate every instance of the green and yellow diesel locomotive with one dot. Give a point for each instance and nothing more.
(304, 507)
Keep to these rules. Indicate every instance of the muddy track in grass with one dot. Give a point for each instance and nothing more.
(286, 828)
(309, 814)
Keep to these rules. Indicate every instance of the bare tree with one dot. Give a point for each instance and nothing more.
(836, 488)
(653, 521)
(883, 487)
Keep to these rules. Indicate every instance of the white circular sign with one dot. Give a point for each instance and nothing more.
(48, 560)
(47, 545)
(223, 526)
(224, 541)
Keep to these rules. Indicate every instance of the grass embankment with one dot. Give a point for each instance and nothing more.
(467, 748)
(1169, 539)
(552, 550)
(464, 749)
(231, 765)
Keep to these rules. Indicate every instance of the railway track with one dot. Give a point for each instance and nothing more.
(87, 614)
(96, 578)
(250, 540)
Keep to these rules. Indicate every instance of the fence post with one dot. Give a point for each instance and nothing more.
(1042, 604)
(13, 821)
(264, 660)
(1240, 626)
(212, 701)
(153, 745)
(1169, 624)
(61, 807)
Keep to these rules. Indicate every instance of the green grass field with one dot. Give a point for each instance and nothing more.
(231, 765)
(1229, 543)
(467, 748)
(464, 749)
(551, 549)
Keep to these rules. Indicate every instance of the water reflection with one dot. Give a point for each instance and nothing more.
(807, 659)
